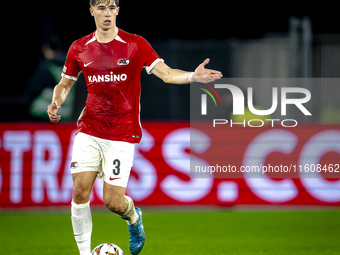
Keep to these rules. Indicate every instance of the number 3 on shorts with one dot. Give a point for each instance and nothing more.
(116, 170)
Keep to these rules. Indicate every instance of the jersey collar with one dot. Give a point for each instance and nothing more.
(117, 38)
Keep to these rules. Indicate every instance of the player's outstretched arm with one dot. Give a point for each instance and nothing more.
(60, 94)
(176, 76)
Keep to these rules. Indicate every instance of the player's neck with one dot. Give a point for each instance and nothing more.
(103, 36)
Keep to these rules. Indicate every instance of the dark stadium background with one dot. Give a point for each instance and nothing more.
(163, 23)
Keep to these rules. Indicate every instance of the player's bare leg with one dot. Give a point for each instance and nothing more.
(80, 210)
(116, 201)
(114, 198)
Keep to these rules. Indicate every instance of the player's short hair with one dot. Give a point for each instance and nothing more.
(96, 2)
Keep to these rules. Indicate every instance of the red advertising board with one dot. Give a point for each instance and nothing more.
(35, 166)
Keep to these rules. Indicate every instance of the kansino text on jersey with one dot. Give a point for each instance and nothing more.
(108, 77)
(287, 123)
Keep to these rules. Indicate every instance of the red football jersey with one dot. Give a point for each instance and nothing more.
(112, 71)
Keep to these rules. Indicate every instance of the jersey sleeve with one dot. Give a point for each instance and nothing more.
(147, 55)
(71, 68)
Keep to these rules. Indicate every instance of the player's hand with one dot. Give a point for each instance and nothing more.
(204, 75)
(52, 111)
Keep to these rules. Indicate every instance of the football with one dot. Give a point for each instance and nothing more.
(107, 249)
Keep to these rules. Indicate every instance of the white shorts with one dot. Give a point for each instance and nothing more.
(112, 160)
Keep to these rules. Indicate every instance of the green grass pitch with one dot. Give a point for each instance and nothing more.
(180, 232)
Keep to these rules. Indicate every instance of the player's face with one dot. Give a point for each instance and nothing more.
(105, 15)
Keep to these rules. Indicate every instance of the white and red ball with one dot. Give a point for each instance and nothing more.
(107, 249)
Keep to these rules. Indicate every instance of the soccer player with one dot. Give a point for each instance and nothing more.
(111, 60)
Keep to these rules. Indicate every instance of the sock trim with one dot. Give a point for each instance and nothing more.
(130, 206)
(130, 213)
(80, 206)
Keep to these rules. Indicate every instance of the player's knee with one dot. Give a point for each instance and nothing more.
(80, 196)
(115, 205)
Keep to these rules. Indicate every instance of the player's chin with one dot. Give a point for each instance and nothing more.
(106, 28)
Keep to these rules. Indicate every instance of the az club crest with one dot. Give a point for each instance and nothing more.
(123, 62)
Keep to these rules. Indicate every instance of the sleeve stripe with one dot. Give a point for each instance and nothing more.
(69, 77)
(149, 68)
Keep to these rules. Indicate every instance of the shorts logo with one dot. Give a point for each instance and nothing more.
(74, 165)
(123, 62)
